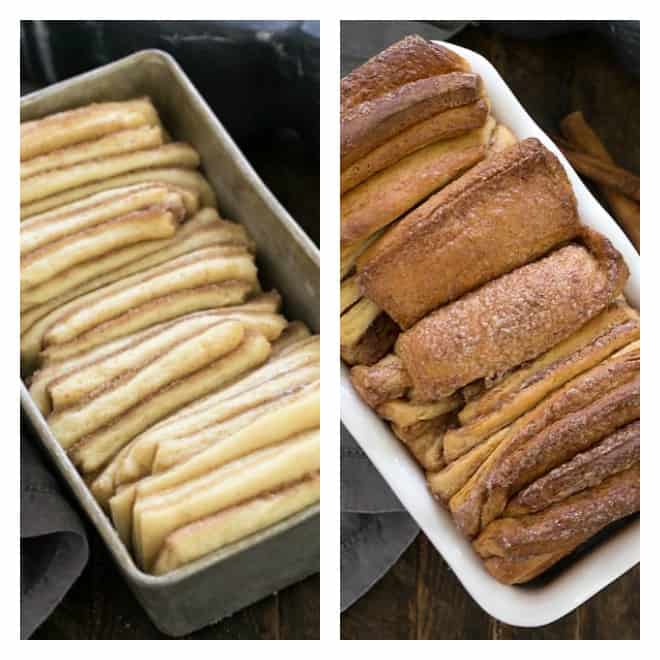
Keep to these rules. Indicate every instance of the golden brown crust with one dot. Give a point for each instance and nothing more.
(526, 387)
(503, 213)
(508, 321)
(560, 528)
(443, 126)
(615, 453)
(583, 412)
(617, 326)
(368, 125)
(518, 571)
(572, 397)
(392, 192)
(407, 60)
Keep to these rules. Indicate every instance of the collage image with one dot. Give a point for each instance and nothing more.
(175, 269)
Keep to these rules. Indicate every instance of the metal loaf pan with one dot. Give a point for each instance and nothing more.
(233, 577)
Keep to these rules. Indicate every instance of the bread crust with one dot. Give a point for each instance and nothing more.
(407, 60)
(503, 213)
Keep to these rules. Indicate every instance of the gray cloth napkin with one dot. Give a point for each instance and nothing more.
(375, 528)
(53, 542)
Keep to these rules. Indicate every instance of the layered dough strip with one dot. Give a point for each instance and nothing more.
(136, 460)
(366, 334)
(443, 126)
(175, 154)
(134, 139)
(381, 382)
(259, 314)
(515, 550)
(94, 450)
(281, 375)
(571, 420)
(204, 230)
(617, 326)
(446, 482)
(350, 252)
(407, 60)
(395, 190)
(374, 340)
(424, 440)
(355, 322)
(619, 451)
(213, 532)
(464, 462)
(520, 201)
(51, 226)
(528, 311)
(406, 413)
(81, 406)
(50, 260)
(371, 123)
(173, 451)
(157, 515)
(275, 426)
(187, 179)
(90, 122)
(212, 277)
(294, 348)
(502, 139)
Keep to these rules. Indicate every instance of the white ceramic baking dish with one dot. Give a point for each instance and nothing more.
(546, 600)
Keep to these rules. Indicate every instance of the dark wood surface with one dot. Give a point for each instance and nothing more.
(420, 598)
(100, 605)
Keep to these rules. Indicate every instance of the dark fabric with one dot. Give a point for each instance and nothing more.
(258, 76)
(363, 39)
(375, 528)
(54, 547)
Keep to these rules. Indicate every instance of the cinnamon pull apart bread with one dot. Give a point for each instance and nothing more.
(510, 320)
(518, 549)
(186, 400)
(480, 317)
(407, 131)
(503, 213)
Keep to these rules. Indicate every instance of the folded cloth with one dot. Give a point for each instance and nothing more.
(54, 547)
(375, 528)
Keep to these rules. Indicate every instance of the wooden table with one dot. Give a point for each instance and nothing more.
(100, 605)
(420, 598)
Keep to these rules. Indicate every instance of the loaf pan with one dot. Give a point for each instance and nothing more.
(235, 576)
(546, 599)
